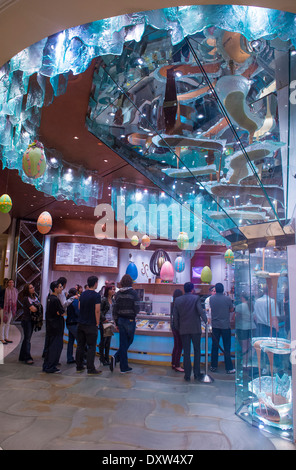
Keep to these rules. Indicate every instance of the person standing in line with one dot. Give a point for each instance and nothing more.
(88, 324)
(65, 303)
(72, 324)
(66, 300)
(207, 304)
(106, 316)
(2, 295)
(125, 309)
(55, 324)
(32, 309)
(9, 310)
(187, 316)
(177, 349)
(221, 307)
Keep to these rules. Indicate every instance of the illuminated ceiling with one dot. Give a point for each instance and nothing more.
(195, 98)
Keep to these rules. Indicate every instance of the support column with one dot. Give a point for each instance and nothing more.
(291, 250)
(45, 271)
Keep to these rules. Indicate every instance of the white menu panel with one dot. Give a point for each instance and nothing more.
(84, 254)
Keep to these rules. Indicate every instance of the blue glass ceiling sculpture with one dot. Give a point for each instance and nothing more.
(188, 95)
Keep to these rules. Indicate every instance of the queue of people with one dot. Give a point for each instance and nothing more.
(88, 312)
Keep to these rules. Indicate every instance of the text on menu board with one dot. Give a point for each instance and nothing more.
(85, 254)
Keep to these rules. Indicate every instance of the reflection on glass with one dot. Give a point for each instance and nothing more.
(201, 115)
(263, 381)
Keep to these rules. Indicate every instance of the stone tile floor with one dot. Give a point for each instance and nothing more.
(152, 408)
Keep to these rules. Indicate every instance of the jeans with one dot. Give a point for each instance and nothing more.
(72, 336)
(104, 346)
(4, 327)
(186, 343)
(226, 337)
(25, 352)
(177, 349)
(127, 329)
(86, 336)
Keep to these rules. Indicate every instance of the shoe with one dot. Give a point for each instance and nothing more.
(8, 341)
(71, 362)
(105, 363)
(198, 377)
(187, 379)
(111, 365)
(80, 369)
(94, 372)
(53, 371)
(213, 369)
(231, 371)
(113, 362)
(29, 361)
(179, 369)
(129, 369)
(3, 341)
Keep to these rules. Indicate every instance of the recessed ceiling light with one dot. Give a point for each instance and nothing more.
(106, 161)
(75, 137)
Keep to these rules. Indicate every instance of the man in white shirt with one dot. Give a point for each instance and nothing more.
(262, 317)
(207, 304)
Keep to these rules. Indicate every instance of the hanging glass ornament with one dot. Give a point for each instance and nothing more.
(206, 275)
(179, 264)
(5, 203)
(134, 240)
(146, 241)
(132, 270)
(34, 161)
(183, 241)
(44, 222)
(167, 272)
(229, 256)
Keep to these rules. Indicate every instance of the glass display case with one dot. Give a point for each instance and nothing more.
(263, 367)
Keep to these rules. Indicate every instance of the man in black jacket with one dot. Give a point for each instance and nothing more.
(54, 329)
(88, 324)
(187, 316)
(125, 310)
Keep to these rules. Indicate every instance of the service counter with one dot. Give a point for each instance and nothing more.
(153, 342)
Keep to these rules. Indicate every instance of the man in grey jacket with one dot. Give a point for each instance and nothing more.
(187, 316)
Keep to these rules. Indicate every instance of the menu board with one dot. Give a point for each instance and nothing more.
(84, 254)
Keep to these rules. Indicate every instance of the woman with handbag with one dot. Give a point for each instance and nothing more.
(9, 310)
(31, 320)
(106, 320)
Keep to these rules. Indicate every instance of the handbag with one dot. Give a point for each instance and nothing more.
(109, 329)
(37, 317)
